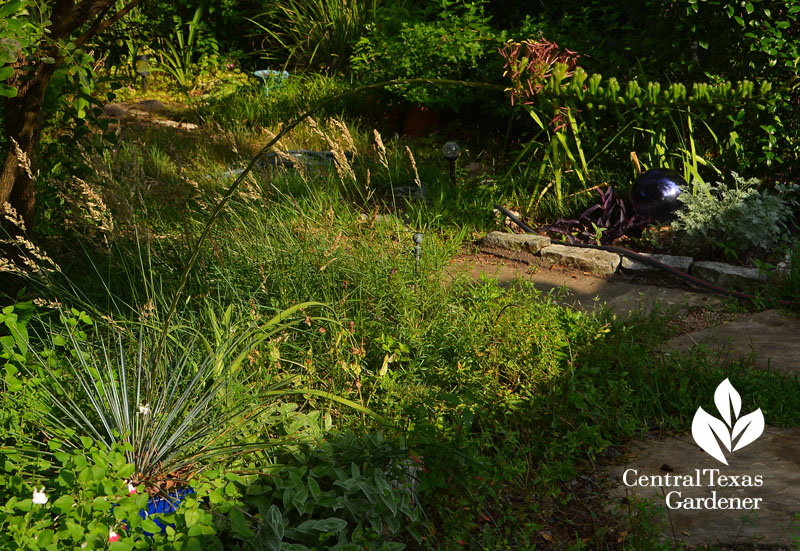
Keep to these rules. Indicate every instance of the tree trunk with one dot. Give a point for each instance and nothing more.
(23, 113)
(23, 121)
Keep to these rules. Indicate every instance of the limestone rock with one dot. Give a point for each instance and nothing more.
(681, 263)
(529, 242)
(151, 106)
(176, 124)
(115, 110)
(726, 275)
(589, 260)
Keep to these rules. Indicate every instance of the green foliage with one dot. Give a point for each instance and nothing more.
(249, 107)
(106, 383)
(20, 30)
(580, 118)
(24, 26)
(626, 38)
(314, 34)
(349, 492)
(451, 40)
(87, 503)
(17, 401)
(740, 214)
(179, 56)
(768, 45)
(176, 414)
(14, 339)
(705, 46)
(507, 395)
(685, 41)
(224, 21)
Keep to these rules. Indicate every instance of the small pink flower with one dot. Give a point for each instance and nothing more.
(131, 489)
(112, 535)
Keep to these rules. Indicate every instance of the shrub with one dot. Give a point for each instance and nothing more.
(454, 41)
(742, 214)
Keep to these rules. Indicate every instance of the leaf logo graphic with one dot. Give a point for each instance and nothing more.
(709, 432)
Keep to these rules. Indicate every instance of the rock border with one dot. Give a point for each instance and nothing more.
(601, 262)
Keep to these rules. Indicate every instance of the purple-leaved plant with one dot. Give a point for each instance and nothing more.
(600, 224)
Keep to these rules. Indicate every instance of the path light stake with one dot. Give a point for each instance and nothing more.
(418, 237)
(451, 152)
(143, 69)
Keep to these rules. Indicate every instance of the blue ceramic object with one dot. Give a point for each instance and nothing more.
(655, 194)
(166, 505)
(272, 79)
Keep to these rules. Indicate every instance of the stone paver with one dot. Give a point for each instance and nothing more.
(770, 338)
(775, 457)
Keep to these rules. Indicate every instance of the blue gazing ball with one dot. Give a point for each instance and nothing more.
(655, 194)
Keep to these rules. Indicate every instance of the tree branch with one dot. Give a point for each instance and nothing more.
(68, 16)
(102, 24)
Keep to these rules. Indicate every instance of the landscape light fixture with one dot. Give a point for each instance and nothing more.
(142, 68)
(418, 238)
(272, 78)
(451, 152)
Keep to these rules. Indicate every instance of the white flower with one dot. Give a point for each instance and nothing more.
(39, 498)
(145, 409)
(131, 489)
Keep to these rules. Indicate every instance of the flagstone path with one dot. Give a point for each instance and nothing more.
(770, 340)
(580, 290)
(775, 457)
(767, 340)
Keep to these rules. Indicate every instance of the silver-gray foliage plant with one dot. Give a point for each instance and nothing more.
(740, 213)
